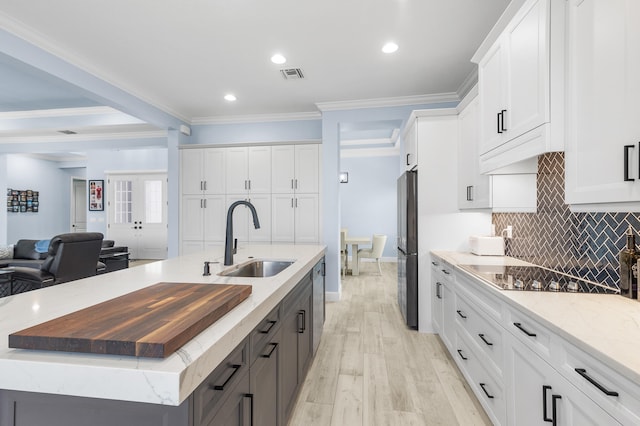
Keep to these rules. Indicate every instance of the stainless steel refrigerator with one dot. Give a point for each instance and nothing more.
(408, 247)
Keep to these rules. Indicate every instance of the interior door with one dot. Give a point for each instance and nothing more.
(78, 205)
(137, 206)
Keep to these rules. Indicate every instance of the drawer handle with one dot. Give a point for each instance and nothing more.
(302, 315)
(583, 373)
(463, 316)
(445, 272)
(485, 340)
(250, 396)
(235, 367)
(482, 385)
(273, 348)
(271, 324)
(438, 292)
(545, 388)
(434, 263)
(462, 356)
(521, 328)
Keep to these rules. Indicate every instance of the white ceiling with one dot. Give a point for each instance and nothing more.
(183, 56)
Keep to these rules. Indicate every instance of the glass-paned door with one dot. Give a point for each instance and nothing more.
(137, 209)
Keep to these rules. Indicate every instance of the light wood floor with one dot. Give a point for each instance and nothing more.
(371, 370)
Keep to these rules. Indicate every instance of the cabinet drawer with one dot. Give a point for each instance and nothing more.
(486, 335)
(488, 388)
(442, 269)
(214, 390)
(530, 332)
(478, 292)
(264, 332)
(616, 394)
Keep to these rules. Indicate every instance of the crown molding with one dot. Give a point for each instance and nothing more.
(83, 138)
(388, 102)
(468, 84)
(469, 97)
(256, 118)
(360, 142)
(370, 152)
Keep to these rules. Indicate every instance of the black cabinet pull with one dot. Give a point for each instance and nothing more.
(302, 315)
(554, 409)
(463, 316)
(498, 121)
(545, 388)
(470, 193)
(583, 373)
(502, 113)
(235, 367)
(408, 159)
(273, 348)
(434, 263)
(482, 385)
(271, 324)
(250, 396)
(438, 292)
(485, 340)
(462, 356)
(446, 272)
(626, 162)
(521, 328)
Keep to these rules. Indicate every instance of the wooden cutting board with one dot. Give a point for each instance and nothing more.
(151, 322)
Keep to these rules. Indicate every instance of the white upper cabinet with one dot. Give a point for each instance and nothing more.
(603, 89)
(295, 168)
(248, 169)
(474, 189)
(202, 171)
(410, 139)
(520, 115)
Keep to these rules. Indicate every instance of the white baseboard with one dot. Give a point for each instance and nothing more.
(382, 259)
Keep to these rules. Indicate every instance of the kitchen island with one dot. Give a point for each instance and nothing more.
(167, 382)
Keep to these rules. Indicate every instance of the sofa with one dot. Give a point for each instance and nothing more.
(24, 254)
(113, 257)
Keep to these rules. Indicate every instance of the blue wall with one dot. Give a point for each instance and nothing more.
(368, 201)
(276, 131)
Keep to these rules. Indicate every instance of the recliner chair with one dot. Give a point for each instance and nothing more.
(70, 257)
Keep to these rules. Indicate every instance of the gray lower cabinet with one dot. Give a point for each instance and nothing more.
(296, 341)
(255, 385)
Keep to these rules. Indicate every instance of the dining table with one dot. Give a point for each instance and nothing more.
(355, 242)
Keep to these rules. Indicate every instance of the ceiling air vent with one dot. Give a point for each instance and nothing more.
(292, 73)
(68, 132)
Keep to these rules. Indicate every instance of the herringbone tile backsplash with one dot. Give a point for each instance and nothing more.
(583, 244)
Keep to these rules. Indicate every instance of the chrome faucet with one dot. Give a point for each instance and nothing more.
(229, 249)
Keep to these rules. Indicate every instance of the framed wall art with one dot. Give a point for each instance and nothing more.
(96, 195)
(23, 201)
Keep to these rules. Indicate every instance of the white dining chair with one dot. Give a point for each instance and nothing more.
(375, 252)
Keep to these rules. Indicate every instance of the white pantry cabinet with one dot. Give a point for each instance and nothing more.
(248, 169)
(520, 115)
(603, 88)
(243, 226)
(202, 171)
(295, 168)
(296, 218)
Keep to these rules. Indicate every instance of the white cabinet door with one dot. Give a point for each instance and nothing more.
(259, 172)
(241, 215)
(191, 218)
(437, 304)
(411, 147)
(307, 223)
(283, 218)
(191, 177)
(237, 166)
(527, 70)
(213, 170)
(474, 191)
(603, 88)
(306, 168)
(214, 213)
(283, 169)
(492, 87)
(534, 389)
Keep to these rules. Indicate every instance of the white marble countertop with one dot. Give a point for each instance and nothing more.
(607, 326)
(166, 381)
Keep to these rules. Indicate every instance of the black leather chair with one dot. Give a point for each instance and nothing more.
(70, 257)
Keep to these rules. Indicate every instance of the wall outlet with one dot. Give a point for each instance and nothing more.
(509, 231)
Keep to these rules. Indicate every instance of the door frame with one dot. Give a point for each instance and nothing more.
(72, 199)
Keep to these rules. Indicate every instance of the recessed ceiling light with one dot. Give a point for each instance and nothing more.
(390, 47)
(230, 97)
(278, 59)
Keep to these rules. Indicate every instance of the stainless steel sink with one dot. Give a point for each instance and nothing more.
(258, 268)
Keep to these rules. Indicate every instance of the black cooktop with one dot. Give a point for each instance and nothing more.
(535, 278)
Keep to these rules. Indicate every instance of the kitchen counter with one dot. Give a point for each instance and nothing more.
(167, 381)
(606, 326)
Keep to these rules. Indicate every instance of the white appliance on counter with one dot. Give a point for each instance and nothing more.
(486, 246)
